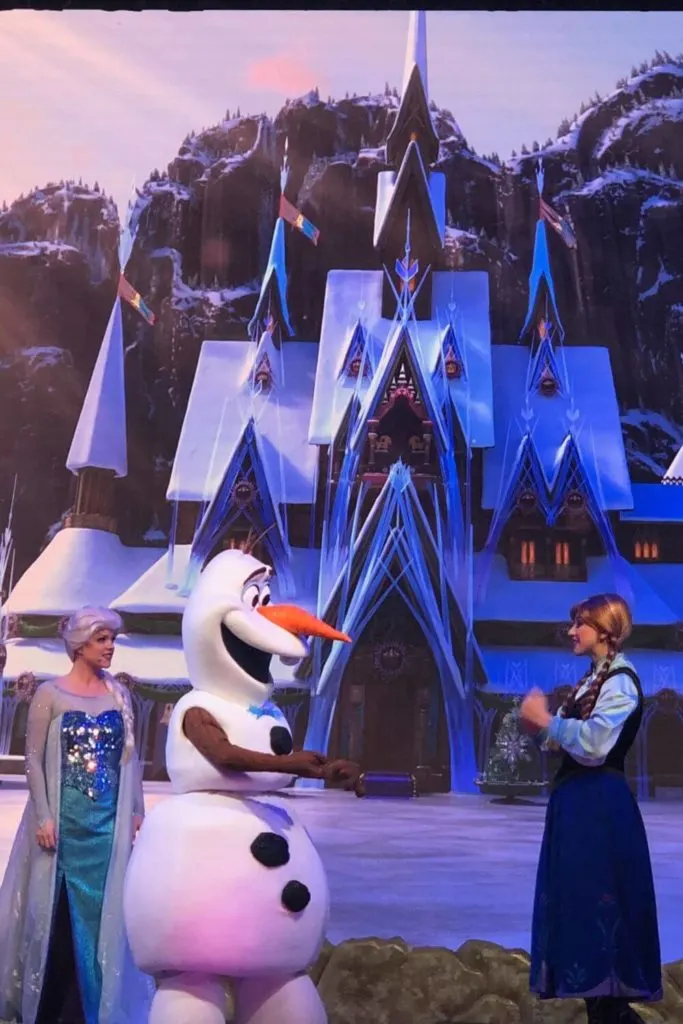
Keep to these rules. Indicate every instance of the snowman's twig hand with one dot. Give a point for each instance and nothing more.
(211, 740)
(345, 772)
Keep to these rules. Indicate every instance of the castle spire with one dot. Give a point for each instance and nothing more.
(272, 312)
(542, 297)
(98, 450)
(416, 50)
(413, 121)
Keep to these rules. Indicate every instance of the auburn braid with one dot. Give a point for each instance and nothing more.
(582, 707)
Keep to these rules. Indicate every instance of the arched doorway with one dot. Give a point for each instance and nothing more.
(663, 729)
(390, 714)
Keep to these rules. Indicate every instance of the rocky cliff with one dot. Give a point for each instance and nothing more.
(204, 227)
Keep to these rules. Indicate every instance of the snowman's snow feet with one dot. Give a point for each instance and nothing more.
(278, 1001)
(188, 999)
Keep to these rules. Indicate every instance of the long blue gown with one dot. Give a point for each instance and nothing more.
(91, 754)
(77, 779)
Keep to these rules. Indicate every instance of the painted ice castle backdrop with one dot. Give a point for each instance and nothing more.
(446, 424)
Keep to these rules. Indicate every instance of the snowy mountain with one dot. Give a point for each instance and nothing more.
(204, 230)
(58, 267)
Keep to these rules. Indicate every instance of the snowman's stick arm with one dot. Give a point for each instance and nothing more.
(211, 740)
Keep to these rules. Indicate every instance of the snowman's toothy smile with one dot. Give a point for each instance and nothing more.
(252, 661)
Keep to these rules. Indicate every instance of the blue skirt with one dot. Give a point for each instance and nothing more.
(86, 834)
(594, 929)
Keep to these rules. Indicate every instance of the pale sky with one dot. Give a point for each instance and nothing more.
(110, 96)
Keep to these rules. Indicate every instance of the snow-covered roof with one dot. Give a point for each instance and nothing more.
(500, 599)
(416, 50)
(667, 581)
(221, 403)
(392, 184)
(146, 659)
(654, 503)
(157, 590)
(674, 474)
(78, 567)
(588, 410)
(99, 441)
(275, 276)
(351, 295)
(46, 659)
(515, 670)
(158, 659)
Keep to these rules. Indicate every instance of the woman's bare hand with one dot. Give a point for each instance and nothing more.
(46, 835)
(534, 710)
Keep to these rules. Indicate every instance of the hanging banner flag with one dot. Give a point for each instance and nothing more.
(291, 215)
(127, 292)
(557, 223)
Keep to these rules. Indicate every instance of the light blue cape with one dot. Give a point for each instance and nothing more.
(27, 899)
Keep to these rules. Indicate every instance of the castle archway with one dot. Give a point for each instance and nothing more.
(390, 712)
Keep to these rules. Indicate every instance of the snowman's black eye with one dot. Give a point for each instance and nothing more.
(265, 595)
(251, 595)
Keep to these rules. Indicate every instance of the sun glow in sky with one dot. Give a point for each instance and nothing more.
(107, 97)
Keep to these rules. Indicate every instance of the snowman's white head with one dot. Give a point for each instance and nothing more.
(231, 630)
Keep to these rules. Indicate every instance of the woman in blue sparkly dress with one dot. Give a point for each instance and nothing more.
(64, 956)
(594, 933)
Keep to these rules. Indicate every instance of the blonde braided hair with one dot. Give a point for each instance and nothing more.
(125, 706)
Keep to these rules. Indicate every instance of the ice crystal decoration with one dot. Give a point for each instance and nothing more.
(511, 749)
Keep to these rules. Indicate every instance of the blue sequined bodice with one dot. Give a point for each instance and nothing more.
(91, 751)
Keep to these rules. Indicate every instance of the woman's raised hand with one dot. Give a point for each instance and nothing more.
(534, 709)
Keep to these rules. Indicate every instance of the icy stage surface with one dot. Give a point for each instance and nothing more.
(436, 870)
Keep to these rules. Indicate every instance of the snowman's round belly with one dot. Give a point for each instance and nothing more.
(224, 885)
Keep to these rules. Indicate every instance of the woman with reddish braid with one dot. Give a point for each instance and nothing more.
(594, 932)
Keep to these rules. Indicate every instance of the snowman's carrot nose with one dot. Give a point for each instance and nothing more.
(300, 622)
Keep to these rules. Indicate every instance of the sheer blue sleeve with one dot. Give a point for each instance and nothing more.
(40, 714)
(136, 763)
(590, 741)
(138, 796)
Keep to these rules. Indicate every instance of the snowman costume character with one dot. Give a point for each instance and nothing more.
(224, 885)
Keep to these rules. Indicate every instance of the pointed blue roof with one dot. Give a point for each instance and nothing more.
(450, 353)
(401, 339)
(351, 294)
(356, 350)
(247, 469)
(540, 271)
(413, 114)
(99, 441)
(545, 366)
(587, 409)
(391, 187)
(222, 401)
(275, 278)
(525, 473)
(267, 361)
